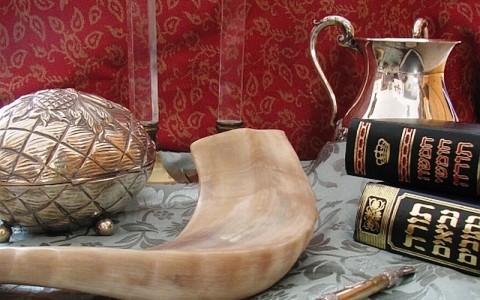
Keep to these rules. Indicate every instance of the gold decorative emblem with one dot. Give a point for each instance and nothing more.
(382, 152)
(373, 214)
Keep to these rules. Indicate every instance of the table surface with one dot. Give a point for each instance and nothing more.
(331, 261)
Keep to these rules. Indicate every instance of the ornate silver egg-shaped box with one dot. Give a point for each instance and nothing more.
(67, 158)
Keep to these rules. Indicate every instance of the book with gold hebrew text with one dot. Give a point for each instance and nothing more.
(438, 228)
(431, 154)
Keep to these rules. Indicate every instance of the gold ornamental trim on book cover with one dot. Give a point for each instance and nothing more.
(361, 147)
(373, 216)
(405, 154)
(428, 226)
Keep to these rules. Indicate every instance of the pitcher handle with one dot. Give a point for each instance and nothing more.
(345, 40)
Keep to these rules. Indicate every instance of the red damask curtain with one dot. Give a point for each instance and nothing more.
(82, 44)
(51, 44)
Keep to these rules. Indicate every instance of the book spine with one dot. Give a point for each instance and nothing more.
(432, 157)
(420, 225)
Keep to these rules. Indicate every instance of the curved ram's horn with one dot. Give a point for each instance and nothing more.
(255, 215)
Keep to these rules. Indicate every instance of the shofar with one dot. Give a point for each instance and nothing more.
(255, 215)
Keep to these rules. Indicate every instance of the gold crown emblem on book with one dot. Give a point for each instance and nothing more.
(382, 152)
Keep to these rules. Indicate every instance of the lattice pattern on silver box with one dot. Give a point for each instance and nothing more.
(67, 157)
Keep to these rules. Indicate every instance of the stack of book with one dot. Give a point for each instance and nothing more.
(426, 202)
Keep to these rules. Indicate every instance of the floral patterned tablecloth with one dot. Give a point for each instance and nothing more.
(331, 261)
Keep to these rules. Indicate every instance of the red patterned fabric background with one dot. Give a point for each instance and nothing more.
(82, 44)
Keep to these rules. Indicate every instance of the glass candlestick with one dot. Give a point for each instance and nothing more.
(232, 44)
(143, 74)
(142, 63)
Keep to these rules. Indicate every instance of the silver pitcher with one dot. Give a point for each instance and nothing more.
(404, 77)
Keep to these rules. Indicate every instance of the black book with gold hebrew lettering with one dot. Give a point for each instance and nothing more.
(442, 229)
(431, 154)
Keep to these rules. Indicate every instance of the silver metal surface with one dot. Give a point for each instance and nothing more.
(404, 77)
(69, 158)
(362, 290)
